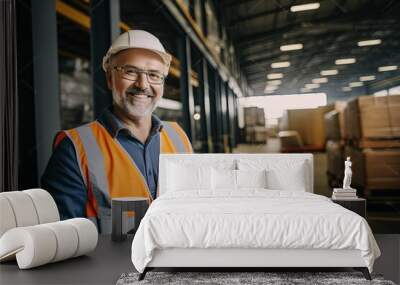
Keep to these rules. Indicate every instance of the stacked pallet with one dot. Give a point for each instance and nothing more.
(372, 139)
(255, 130)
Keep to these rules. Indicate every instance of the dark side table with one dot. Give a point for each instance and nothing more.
(138, 205)
(357, 205)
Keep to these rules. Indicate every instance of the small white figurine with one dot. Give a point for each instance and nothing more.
(347, 174)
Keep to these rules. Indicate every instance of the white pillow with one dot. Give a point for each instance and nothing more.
(294, 180)
(282, 174)
(251, 178)
(181, 177)
(223, 179)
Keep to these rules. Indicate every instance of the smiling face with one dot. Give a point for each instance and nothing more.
(135, 99)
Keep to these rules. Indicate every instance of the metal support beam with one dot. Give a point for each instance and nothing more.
(224, 115)
(45, 71)
(215, 108)
(204, 101)
(236, 120)
(198, 39)
(187, 99)
(103, 29)
(204, 26)
(231, 116)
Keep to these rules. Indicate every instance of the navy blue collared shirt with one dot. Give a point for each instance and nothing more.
(63, 179)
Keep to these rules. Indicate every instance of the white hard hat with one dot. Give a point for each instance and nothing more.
(137, 39)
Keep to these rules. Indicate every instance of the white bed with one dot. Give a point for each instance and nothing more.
(247, 210)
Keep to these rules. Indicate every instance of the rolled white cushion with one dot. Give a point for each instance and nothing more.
(7, 218)
(23, 208)
(87, 235)
(40, 244)
(66, 238)
(46, 208)
(33, 246)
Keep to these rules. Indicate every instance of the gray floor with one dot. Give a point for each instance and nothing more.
(110, 260)
(389, 262)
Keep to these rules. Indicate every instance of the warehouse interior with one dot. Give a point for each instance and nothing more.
(235, 99)
(247, 76)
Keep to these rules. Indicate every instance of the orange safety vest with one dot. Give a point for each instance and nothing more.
(108, 171)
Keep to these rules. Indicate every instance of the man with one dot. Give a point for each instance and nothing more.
(117, 155)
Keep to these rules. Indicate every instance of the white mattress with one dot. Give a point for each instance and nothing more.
(253, 218)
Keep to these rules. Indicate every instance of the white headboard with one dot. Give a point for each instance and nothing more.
(212, 159)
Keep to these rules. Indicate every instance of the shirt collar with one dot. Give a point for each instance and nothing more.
(114, 125)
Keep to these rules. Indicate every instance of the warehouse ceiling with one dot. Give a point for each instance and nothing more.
(258, 29)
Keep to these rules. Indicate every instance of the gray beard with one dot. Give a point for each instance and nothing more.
(131, 110)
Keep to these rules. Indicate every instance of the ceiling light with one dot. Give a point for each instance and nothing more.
(312, 85)
(270, 88)
(274, 82)
(305, 7)
(291, 47)
(329, 72)
(320, 80)
(275, 76)
(367, 78)
(280, 64)
(345, 61)
(387, 68)
(369, 43)
(305, 90)
(356, 84)
(346, 89)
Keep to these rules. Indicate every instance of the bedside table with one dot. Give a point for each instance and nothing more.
(357, 205)
(120, 205)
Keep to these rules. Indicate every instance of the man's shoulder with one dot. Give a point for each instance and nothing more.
(63, 139)
(87, 124)
(171, 123)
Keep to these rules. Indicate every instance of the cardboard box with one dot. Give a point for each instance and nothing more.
(394, 114)
(332, 125)
(309, 123)
(254, 116)
(256, 134)
(375, 169)
(340, 107)
(260, 117)
(352, 120)
(250, 116)
(290, 140)
(373, 117)
(382, 168)
(335, 158)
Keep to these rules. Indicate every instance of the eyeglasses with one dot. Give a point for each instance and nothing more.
(131, 73)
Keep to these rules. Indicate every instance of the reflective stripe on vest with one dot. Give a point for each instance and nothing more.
(109, 171)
